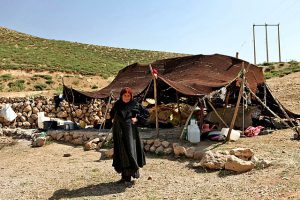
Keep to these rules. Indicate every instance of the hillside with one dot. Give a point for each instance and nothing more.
(26, 52)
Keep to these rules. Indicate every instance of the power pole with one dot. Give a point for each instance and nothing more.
(267, 45)
(254, 43)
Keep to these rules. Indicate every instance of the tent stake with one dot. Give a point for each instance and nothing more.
(210, 104)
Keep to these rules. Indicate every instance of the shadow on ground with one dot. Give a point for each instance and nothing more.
(90, 190)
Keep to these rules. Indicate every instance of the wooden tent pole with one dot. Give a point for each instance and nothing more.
(106, 111)
(179, 111)
(284, 112)
(155, 98)
(70, 113)
(264, 105)
(217, 113)
(188, 119)
(156, 109)
(237, 105)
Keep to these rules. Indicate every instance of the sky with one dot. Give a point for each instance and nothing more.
(182, 26)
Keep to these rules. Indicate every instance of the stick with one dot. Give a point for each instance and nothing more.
(262, 103)
(155, 98)
(236, 106)
(188, 119)
(106, 111)
(284, 112)
(217, 113)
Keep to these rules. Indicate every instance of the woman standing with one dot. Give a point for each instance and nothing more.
(128, 149)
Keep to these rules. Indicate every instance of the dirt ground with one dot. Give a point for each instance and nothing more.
(43, 173)
(287, 90)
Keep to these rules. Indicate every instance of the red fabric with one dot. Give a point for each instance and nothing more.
(154, 72)
(253, 131)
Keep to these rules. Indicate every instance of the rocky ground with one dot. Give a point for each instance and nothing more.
(44, 173)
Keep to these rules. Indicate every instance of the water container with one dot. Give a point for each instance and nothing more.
(234, 135)
(193, 132)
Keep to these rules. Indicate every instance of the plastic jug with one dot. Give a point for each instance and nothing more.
(193, 132)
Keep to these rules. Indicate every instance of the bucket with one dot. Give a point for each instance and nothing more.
(234, 135)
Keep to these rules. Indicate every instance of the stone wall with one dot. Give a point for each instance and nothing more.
(27, 111)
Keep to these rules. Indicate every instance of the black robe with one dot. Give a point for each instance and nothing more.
(129, 153)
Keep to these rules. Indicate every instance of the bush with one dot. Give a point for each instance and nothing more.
(40, 87)
(46, 77)
(16, 86)
(49, 82)
(5, 77)
(76, 82)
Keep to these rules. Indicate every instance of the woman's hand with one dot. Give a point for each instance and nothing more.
(134, 120)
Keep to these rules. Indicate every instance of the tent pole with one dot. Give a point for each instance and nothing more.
(106, 111)
(264, 105)
(237, 105)
(155, 98)
(72, 118)
(284, 112)
(217, 113)
(156, 111)
(179, 111)
(188, 119)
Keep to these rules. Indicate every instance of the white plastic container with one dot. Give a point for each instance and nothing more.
(193, 132)
(234, 135)
(41, 116)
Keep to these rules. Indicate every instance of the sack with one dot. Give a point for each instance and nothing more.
(8, 113)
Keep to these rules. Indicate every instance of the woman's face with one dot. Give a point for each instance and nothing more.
(126, 97)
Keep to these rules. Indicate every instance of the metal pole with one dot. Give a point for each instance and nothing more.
(254, 44)
(266, 27)
(279, 44)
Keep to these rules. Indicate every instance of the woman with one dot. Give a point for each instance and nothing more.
(128, 150)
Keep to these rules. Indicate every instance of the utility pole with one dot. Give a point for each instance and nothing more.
(254, 43)
(267, 45)
(267, 51)
(279, 51)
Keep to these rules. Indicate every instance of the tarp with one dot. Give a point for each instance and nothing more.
(195, 75)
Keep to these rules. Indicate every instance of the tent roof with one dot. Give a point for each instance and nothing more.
(195, 75)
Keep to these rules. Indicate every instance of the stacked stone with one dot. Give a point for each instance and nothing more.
(27, 111)
(158, 147)
(78, 137)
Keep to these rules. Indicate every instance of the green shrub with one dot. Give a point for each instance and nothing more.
(40, 87)
(5, 77)
(1, 87)
(49, 82)
(76, 82)
(46, 77)
(16, 86)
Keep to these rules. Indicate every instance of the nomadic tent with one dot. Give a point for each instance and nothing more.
(193, 77)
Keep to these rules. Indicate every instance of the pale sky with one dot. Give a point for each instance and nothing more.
(183, 26)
